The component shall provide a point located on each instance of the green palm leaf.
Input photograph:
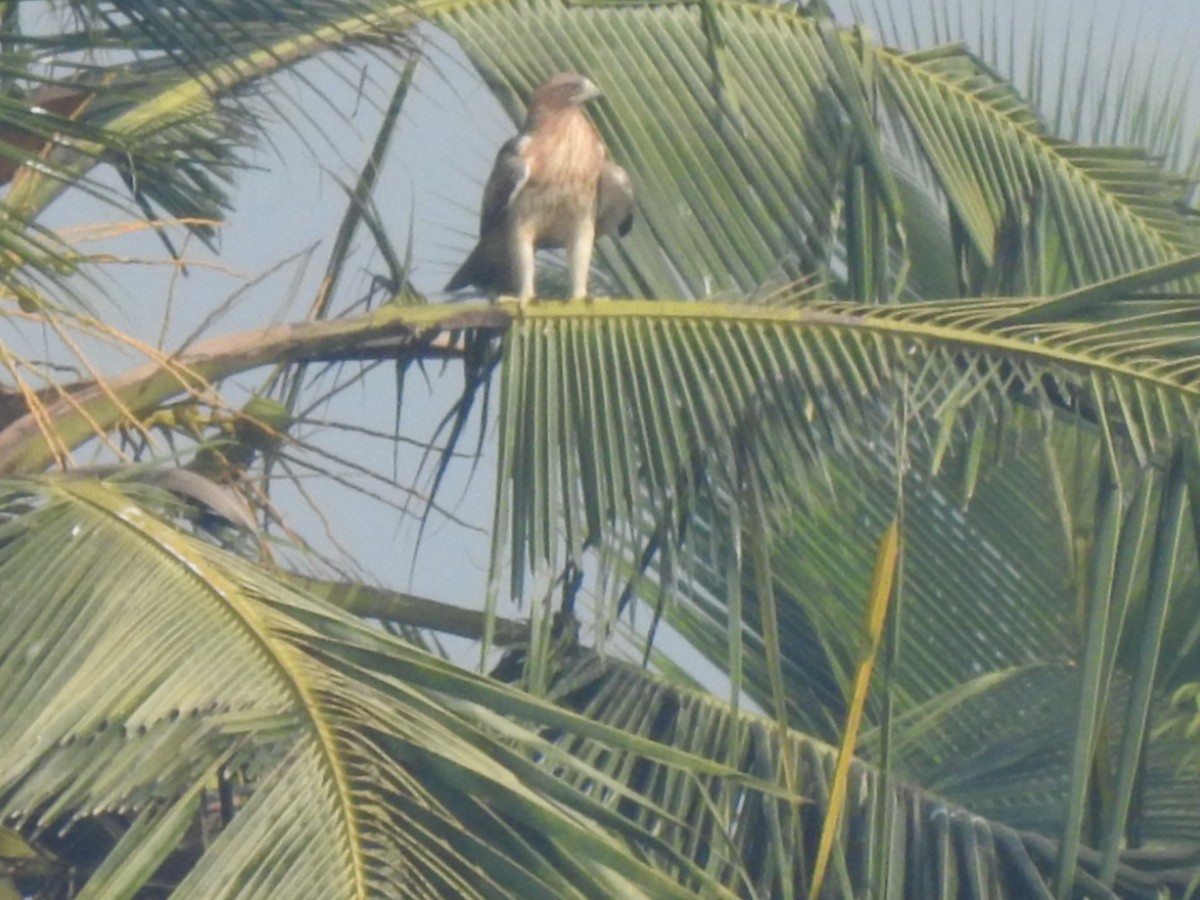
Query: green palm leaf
(636, 394)
(745, 125)
(125, 688)
(652, 409)
(729, 464)
(938, 847)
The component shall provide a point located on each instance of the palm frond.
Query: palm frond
(936, 846)
(361, 771)
(747, 127)
(650, 389)
(650, 412)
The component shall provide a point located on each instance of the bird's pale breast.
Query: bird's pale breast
(565, 158)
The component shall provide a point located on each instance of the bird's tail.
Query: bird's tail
(487, 268)
(467, 273)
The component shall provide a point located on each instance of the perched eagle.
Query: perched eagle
(550, 187)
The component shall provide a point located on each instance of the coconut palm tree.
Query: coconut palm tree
(855, 543)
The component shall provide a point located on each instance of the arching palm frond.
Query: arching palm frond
(701, 477)
(760, 453)
(935, 847)
(629, 396)
(128, 689)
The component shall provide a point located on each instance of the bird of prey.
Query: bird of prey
(551, 187)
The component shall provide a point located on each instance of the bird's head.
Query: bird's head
(562, 91)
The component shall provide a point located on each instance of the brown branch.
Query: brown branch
(383, 334)
(407, 609)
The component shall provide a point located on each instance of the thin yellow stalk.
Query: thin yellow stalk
(881, 592)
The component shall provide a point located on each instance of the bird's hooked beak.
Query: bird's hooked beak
(589, 91)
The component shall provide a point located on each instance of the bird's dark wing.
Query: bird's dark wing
(489, 266)
(614, 201)
(509, 175)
